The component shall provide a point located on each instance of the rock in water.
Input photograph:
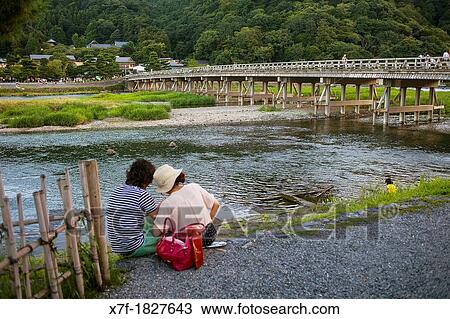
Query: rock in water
(172, 145)
(111, 152)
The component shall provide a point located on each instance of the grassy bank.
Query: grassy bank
(176, 99)
(425, 190)
(55, 90)
(140, 106)
(38, 277)
(377, 197)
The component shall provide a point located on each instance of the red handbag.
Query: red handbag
(174, 251)
(195, 232)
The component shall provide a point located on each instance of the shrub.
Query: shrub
(63, 119)
(26, 121)
(146, 113)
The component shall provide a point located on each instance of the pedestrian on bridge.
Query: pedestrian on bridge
(445, 58)
(344, 60)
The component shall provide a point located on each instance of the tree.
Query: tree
(79, 41)
(14, 14)
(153, 62)
(32, 45)
(89, 68)
(100, 30)
(106, 65)
(192, 63)
(56, 69)
(57, 34)
(145, 49)
(30, 69)
(17, 72)
(208, 42)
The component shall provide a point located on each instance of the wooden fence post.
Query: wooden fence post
(71, 231)
(51, 273)
(23, 242)
(93, 203)
(12, 249)
(49, 227)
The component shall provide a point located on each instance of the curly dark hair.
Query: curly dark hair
(140, 173)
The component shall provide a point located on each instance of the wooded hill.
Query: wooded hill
(242, 31)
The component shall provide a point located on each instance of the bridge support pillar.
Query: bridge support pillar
(313, 94)
(252, 91)
(371, 95)
(266, 91)
(299, 93)
(343, 97)
(402, 103)
(417, 103)
(431, 102)
(387, 104)
(285, 92)
(241, 91)
(227, 91)
(358, 97)
(327, 99)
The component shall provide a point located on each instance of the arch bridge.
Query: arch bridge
(321, 85)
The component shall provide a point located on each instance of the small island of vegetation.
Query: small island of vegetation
(139, 106)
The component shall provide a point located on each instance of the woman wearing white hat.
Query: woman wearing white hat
(185, 205)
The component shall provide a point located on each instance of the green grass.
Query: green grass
(269, 108)
(376, 197)
(176, 99)
(139, 106)
(141, 112)
(38, 278)
(55, 90)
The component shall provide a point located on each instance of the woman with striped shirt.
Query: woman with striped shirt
(130, 213)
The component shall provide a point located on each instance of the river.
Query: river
(238, 163)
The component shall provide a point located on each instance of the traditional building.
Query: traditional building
(52, 42)
(95, 45)
(126, 64)
(39, 57)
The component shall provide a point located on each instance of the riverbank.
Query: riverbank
(406, 260)
(57, 88)
(385, 251)
(201, 116)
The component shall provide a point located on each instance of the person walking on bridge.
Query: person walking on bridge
(445, 58)
(344, 60)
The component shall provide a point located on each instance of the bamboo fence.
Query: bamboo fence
(17, 262)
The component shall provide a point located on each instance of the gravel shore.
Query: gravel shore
(183, 117)
(409, 260)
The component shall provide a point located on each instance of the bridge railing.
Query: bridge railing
(426, 64)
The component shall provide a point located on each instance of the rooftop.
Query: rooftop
(124, 59)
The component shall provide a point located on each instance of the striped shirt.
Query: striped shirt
(127, 208)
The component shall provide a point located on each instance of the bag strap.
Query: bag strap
(171, 225)
(193, 224)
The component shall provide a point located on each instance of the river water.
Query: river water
(238, 163)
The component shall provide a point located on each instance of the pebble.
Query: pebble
(111, 152)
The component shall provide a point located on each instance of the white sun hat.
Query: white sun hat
(165, 177)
